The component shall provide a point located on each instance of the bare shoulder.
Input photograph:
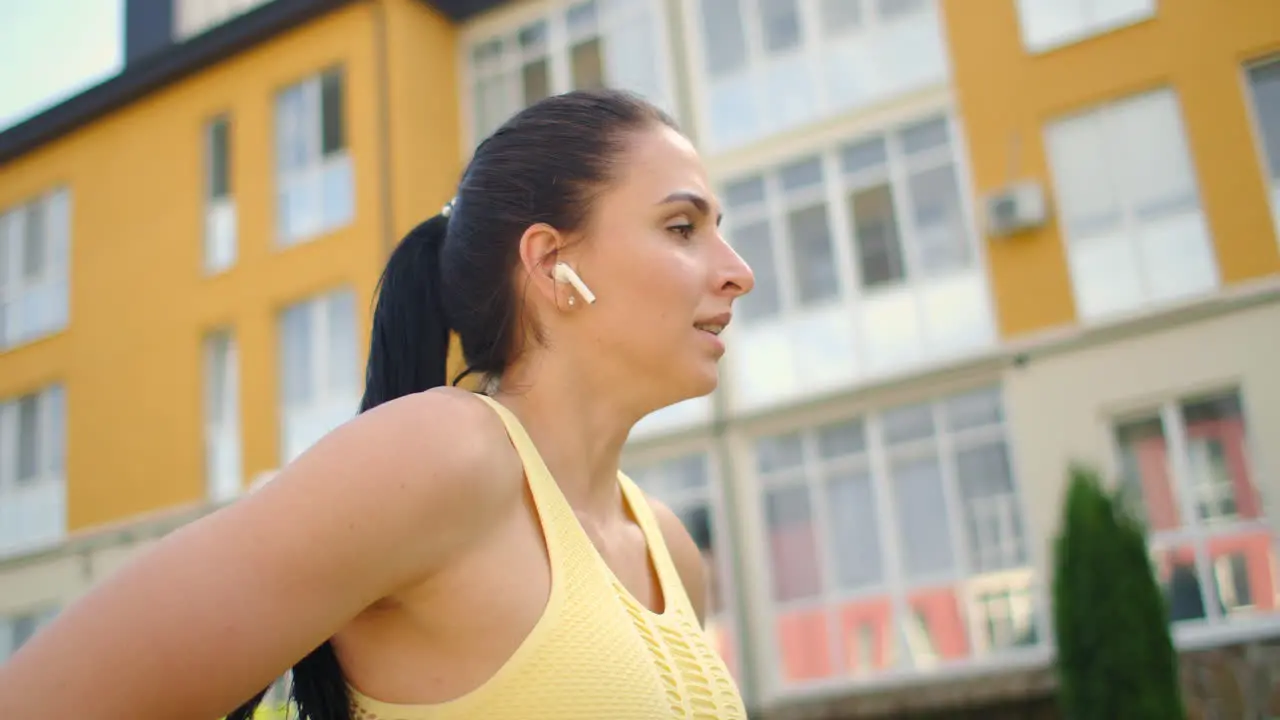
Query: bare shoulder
(685, 555)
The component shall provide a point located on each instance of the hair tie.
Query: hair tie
(447, 210)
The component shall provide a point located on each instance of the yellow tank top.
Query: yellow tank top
(596, 653)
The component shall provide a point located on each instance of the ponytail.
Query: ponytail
(408, 353)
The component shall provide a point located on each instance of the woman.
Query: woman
(446, 554)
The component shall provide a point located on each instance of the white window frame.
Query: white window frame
(504, 25)
(222, 433)
(711, 497)
(33, 308)
(195, 17)
(964, 581)
(42, 495)
(220, 216)
(309, 179)
(1193, 532)
(813, 43)
(1090, 24)
(328, 401)
(1129, 225)
(1272, 184)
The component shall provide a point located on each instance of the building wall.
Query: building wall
(140, 303)
(1007, 94)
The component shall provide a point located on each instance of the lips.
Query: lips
(714, 325)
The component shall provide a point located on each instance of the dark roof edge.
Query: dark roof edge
(156, 71)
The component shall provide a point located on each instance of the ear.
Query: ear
(539, 248)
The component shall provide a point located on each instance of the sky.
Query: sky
(52, 49)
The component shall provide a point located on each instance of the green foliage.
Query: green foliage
(1115, 654)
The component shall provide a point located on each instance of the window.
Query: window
(220, 206)
(193, 17)
(577, 46)
(775, 65)
(34, 269)
(314, 173)
(685, 484)
(1264, 82)
(1048, 24)
(319, 376)
(864, 263)
(876, 526)
(16, 630)
(1186, 469)
(1129, 206)
(223, 473)
(32, 469)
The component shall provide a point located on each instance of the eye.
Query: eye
(684, 230)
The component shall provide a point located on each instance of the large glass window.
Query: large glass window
(1129, 206)
(1047, 24)
(1264, 85)
(315, 183)
(35, 263)
(1186, 468)
(319, 375)
(773, 65)
(577, 45)
(33, 483)
(896, 539)
(864, 263)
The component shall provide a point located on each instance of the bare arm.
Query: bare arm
(686, 556)
(218, 609)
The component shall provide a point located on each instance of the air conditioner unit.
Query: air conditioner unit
(1015, 208)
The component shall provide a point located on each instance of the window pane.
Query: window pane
(841, 440)
(891, 9)
(1087, 193)
(24, 627)
(55, 400)
(218, 349)
(792, 544)
(978, 408)
(907, 424)
(990, 508)
(343, 371)
(29, 440)
(780, 22)
(1154, 168)
(536, 81)
(219, 159)
(1145, 475)
(876, 236)
(588, 65)
(922, 517)
(754, 243)
(779, 453)
(296, 341)
(332, 129)
(1221, 479)
(806, 173)
(687, 473)
(812, 256)
(925, 136)
(724, 39)
(33, 240)
(291, 130)
(1176, 569)
(855, 536)
(864, 156)
(744, 192)
(839, 16)
(940, 228)
(1265, 80)
(583, 18)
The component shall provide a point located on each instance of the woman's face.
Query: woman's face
(664, 277)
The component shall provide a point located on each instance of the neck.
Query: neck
(579, 424)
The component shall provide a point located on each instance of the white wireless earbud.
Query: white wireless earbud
(566, 274)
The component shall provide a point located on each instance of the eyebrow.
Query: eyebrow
(693, 199)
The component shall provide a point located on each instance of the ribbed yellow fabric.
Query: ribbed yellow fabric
(596, 653)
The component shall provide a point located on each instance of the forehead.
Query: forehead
(658, 162)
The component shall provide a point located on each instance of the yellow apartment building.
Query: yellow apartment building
(990, 237)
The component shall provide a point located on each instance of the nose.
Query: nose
(734, 277)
